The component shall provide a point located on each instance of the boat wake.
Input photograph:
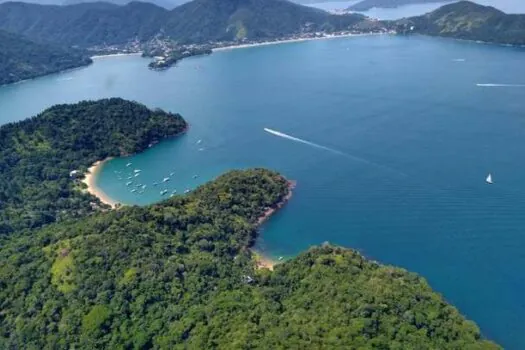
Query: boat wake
(502, 85)
(332, 150)
(65, 79)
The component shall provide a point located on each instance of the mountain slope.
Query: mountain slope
(22, 59)
(92, 24)
(83, 25)
(366, 5)
(202, 20)
(468, 20)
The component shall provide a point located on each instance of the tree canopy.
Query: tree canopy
(179, 275)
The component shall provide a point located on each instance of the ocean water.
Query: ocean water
(407, 138)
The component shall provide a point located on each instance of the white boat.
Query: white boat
(174, 191)
(137, 171)
(199, 142)
(166, 179)
(187, 191)
(137, 174)
(162, 193)
(281, 258)
(155, 184)
(128, 165)
(129, 183)
(489, 179)
(144, 187)
(171, 174)
(134, 190)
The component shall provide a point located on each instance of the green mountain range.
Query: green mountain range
(23, 59)
(179, 274)
(199, 21)
(470, 21)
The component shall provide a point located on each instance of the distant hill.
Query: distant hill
(470, 21)
(366, 5)
(91, 24)
(22, 59)
(202, 20)
(167, 4)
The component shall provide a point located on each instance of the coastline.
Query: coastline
(263, 261)
(97, 57)
(287, 41)
(90, 180)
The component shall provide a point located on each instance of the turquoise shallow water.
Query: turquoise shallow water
(415, 137)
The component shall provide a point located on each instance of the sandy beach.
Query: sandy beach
(262, 261)
(97, 57)
(287, 41)
(90, 181)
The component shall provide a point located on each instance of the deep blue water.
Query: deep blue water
(418, 138)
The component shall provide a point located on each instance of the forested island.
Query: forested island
(180, 274)
(37, 156)
(22, 59)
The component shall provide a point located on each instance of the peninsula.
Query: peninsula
(42, 159)
(180, 273)
(468, 21)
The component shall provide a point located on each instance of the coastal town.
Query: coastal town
(165, 52)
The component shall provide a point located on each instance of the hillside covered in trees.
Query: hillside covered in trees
(199, 21)
(22, 59)
(470, 21)
(38, 154)
(179, 275)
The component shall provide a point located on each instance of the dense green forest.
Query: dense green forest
(38, 154)
(178, 275)
(470, 21)
(198, 21)
(22, 59)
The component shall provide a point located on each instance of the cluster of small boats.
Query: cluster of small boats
(140, 188)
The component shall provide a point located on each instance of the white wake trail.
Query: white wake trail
(501, 85)
(312, 144)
